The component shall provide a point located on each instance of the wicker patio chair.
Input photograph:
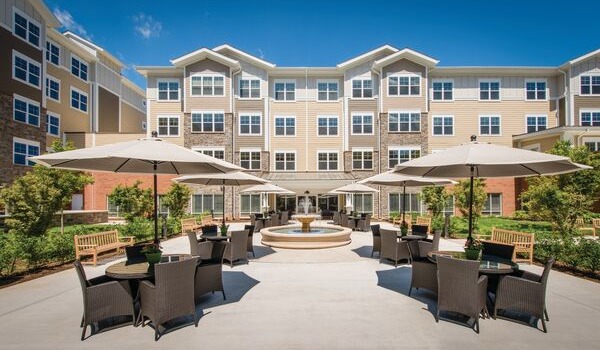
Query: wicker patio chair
(500, 250)
(420, 230)
(275, 219)
(375, 230)
(364, 224)
(525, 293)
(134, 253)
(393, 250)
(424, 247)
(424, 275)
(285, 218)
(336, 218)
(209, 272)
(236, 247)
(199, 249)
(103, 298)
(461, 289)
(344, 220)
(250, 245)
(171, 295)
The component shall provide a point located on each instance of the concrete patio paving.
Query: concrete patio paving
(301, 299)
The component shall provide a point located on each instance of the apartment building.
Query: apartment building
(58, 86)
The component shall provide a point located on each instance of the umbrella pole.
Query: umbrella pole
(223, 202)
(155, 165)
(470, 237)
(403, 201)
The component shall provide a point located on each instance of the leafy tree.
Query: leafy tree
(177, 199)
(461, 198)
(435, 197)
(134, 201)
(562, 199)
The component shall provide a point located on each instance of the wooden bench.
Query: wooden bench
(189, 225)
(580, 225)
(397, 221)
(523, 242)
(424, 220)
(95, 243)
(596, 226)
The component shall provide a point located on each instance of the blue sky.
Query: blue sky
(324, 33)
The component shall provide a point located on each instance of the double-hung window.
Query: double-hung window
(79, 100)
(489, 125)
(250, 203)
(250, 159)
(362, 159)
(590, 118)
(207, 121)
(536, 123)
(363, 202)
(590, 84)
(535, 90)
(53, 88)
(249, 88)
(404, 85)
(52, 52)
(26, 28)
(489, 90)
(592, 143)
(362, 124)
(443, 125)
(24, 148)
(208, 85)
(26, 70)
(285, 126)
(327, 160)
(493, 204)
(327, 91)
(52, 124)
(26, 111)
(404, 121)
(207, 202)
(285, 90)
(250, 124)
(397, 201)
(443, 90)
(285, 161)
(168, 90)
(327, 126)
(218, 153)
(168, 126)
(79, 68)
(399, 155)
(362, 88)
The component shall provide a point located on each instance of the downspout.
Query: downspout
(565, 95)
(379, 109)
(233, 135)
(578, 138)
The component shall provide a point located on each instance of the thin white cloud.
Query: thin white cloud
(68, 22)
(146, 26)
(261, 54)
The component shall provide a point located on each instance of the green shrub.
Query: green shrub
(590, 252)
(141, 229)
(9, 253)
(173, 226)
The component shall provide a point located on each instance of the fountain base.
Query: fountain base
(294, 238)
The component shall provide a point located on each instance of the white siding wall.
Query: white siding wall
(6, 14)
(589, 66)
(133, 97)
(108, 78)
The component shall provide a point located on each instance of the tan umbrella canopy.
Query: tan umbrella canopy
(267, 188)
(143, 156)
(479, 159)
(390, 178)
(353, 188)
(237, 178)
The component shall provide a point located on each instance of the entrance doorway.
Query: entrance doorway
(328, 203)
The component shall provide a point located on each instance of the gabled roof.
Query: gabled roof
(51, 20)
(91, 47)
(408, 54)
(145, 70)
(366, 56)
(201, 54)
(580, 58)
(259, 62)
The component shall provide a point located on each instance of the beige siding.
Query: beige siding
(221, 103)
(101, 139)
(403, 102)
(296, 142)
(544, 144)
(466, 120)
(585, 103)
(249, 106)
(71, 119)
(152, 87)
(131, 119)
(362, 105)
(166, 108)
(590, 66)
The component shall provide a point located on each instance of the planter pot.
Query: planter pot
(153, 258)
(472, 254)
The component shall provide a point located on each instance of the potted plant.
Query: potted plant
(472, 249)
(153, 253)
(223, 229)
(404, 228)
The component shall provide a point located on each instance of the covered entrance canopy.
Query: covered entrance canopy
(313, 181)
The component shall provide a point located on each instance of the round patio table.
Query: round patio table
(410, 237)
(487, 264)
(125, 270)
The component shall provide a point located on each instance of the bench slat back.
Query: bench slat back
(99, 239)
(519, 239)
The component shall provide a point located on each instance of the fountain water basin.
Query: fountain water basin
(293, 237)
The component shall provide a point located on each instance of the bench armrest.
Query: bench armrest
(131, 238)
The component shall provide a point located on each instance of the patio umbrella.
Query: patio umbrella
(390, 178)
(237, 178)
(267, 188)
(353, 188)
(148, 155)
(479, 159)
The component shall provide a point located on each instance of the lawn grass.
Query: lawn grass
(459, 226)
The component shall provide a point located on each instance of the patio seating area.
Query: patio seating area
(287, 298)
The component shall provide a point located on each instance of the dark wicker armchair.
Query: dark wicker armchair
(364, 223)
(103, 298)
(424, 275)
(134, 253)
(209, 272)
(336, 218)
(375, 230)
(285, 218)
(250, 245)
(393, 250)
(199, 249)
(425, 247)
(344, 220)
(171, 295)
(461, 289)
(525, 293)
(236, 247)
(500, 250)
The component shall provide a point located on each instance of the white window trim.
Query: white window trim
(169, 116)
(168, 80)
(490, 80)
(202, 112)
(286, 151)
(213, 75)
(373, 96)
(47, 86)
(489, 116)
(409, 75)
(201, 149)
(249, 114)
(239, 95)
(443, 81)
(29, 102)
(29, 19)
(409, 111)
(581, 111)
(443, 116)
(81, 93)
(588, 74)
(403, 148)
(328, 117)
(410, 194)
(535, 80)
(60, 52)
(327, 81)
(363, 149)
(336, 151)
(285, 117)
(250, 150)
(501, 203)
(29, 61)
(81, 61)
(541, 115)
(363, 195)
(362, 114)
(285, 81)
(27, 142)
(56, 115)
